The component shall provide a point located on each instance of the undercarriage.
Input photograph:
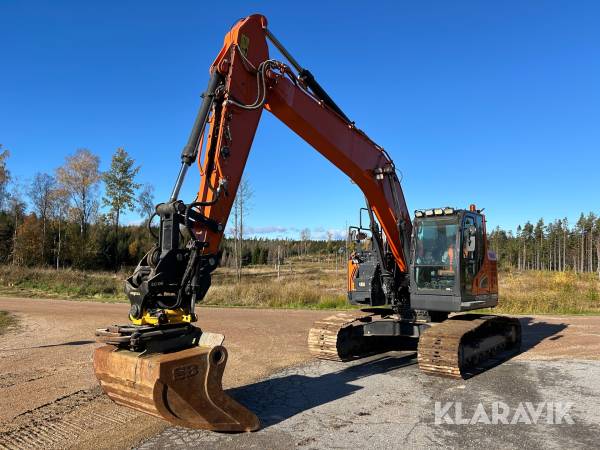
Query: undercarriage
(459, 347)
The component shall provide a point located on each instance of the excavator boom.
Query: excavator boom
(251, 82)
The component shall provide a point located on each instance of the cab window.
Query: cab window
(472, 249)
(435, 254)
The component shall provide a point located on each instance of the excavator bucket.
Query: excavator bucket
(182, 387)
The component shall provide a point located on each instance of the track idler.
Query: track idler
(182, 387)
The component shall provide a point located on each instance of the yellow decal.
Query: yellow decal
(244, 43)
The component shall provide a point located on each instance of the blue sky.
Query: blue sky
(494, 103)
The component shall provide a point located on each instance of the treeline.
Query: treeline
(555, 246)
(61, 219)
(277, 251)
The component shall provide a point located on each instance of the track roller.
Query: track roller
(468, 344)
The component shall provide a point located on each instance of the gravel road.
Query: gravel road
(385, 402)
(49, 397)
(550, 391)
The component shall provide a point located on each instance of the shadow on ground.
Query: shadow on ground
(74, 343)
(277, 399)
(532, 333)
(535, 332)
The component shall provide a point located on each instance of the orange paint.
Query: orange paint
(344, 145)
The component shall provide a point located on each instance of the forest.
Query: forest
(553, 246)
(60, 220)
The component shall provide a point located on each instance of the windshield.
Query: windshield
(435, 253)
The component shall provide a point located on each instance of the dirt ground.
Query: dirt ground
(49, 396)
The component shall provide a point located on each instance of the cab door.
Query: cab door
(471, 252)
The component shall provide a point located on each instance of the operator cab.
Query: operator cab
(451, 268)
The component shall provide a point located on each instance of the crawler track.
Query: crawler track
(338, 337)
(459, 347)
(468, 344)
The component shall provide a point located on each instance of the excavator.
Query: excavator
(409, 278)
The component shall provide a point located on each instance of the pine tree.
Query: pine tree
(120, 189)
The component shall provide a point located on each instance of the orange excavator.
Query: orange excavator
(406, 276)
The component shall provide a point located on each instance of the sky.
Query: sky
(492, 103)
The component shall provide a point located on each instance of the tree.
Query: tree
(4, 176)
(240, 210)
(120, 189)
(79, 178)
(590, 227)
(581, 231)
(565, 224)
(520, 263)
(28, 243)
(146, 205)
(330, 245)
(305, 237)
(41, 194)
(16, 207)
(60, 210)
(597, 227)
(539, 240)
(527, 236)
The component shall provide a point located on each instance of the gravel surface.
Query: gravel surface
(385, 402)
(49, 397)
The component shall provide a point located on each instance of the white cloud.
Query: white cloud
(322, 234)
(270, 229)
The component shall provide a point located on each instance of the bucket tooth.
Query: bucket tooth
(183, 387)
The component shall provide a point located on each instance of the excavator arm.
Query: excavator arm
(155, 359)
(163, 365)
(243, 82)
(246, 90)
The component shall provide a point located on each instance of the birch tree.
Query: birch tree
(145, 202)
(79, 177)
(241, 206)
(41, 194)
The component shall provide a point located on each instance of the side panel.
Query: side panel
(364, 287)
(436, 302)
(351, 274)
(481, 288)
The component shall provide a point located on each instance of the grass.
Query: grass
(68, 284)
(540, 292)
(6, 321)
(301, 284)
(306, 284)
